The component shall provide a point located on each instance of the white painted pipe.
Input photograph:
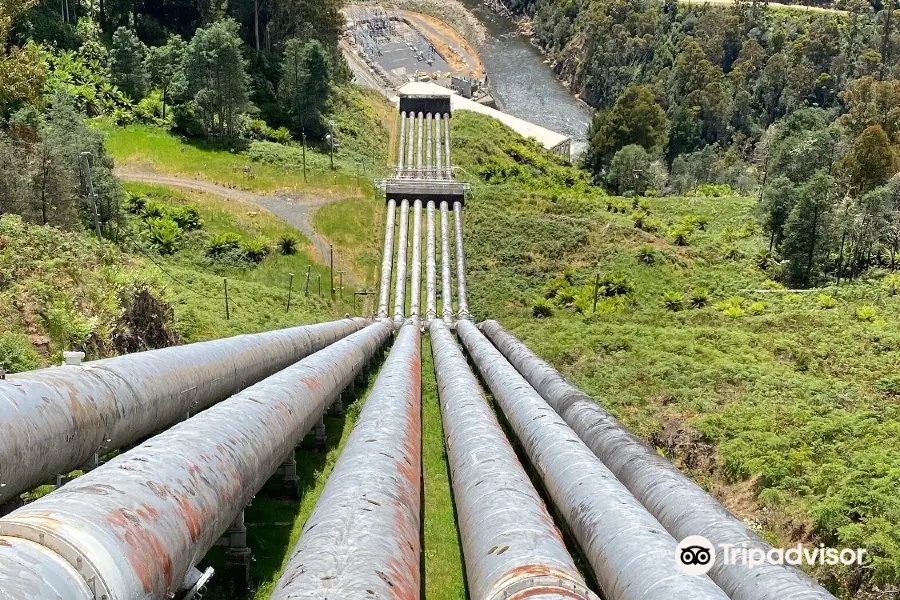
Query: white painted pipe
(402, 247)
(446, 277)
(415, 284)
(387, 260)
(461, 292)
(431, 270)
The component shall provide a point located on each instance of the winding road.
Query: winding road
(295, 209)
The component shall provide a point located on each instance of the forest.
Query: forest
(800, 108)
(228, 73)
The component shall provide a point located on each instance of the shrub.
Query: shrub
(865, 313)
(187, 217)
(699, 297)
(616, 284)
(164, 234)
(730, 252)
(701, 222)
(732, 307)
(646, 254)
(287, 245)
(891, 282)
(733, 312)
(638, 217)
(151, 209)
(565, 297)
(826, 301)
(256, 250)
(541, 308)
(652, 225)
(757, 308)
(680, 235)
(16, 353)
(222, 244)
(674, 301)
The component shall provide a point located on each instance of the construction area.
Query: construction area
(401, 46)
(554, 498)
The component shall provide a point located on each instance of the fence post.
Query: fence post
(306, 293)
(227, 308)
(596, 289)
(290, 290)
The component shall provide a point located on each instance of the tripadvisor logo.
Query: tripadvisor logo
(696, 555)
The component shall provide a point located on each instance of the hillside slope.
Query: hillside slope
(782, 404)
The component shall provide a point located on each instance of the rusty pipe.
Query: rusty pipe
(446, 277)
(462, 292)
(415, 283)
(430, 268)
(630, 553)
(402, 250)
(682, 506)
(134, 527)
(362, 539)
(55, 420)
(510, 542)
(387, 260)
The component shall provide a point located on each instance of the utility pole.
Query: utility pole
(93, 195)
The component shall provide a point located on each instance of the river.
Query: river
(522, 84)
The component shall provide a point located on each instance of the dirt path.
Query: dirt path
(293, 208)
(796, 7)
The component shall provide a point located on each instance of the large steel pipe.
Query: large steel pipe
(415, 283)
(134, 527)
(429, 160)
(430, 265)
(447, 160)
(630, 553)
(420, 146)
(32, 571)
(438, 148)
(446, 277)
(387, 260)
(682, 506)
(462, 292)
(55, 420)
(400, 157)
(511, 546)
(411, 142)
(402, 249)
(362, 540)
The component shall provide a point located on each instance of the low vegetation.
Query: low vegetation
(781, 403)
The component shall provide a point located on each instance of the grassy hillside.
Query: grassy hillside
(782, 404)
